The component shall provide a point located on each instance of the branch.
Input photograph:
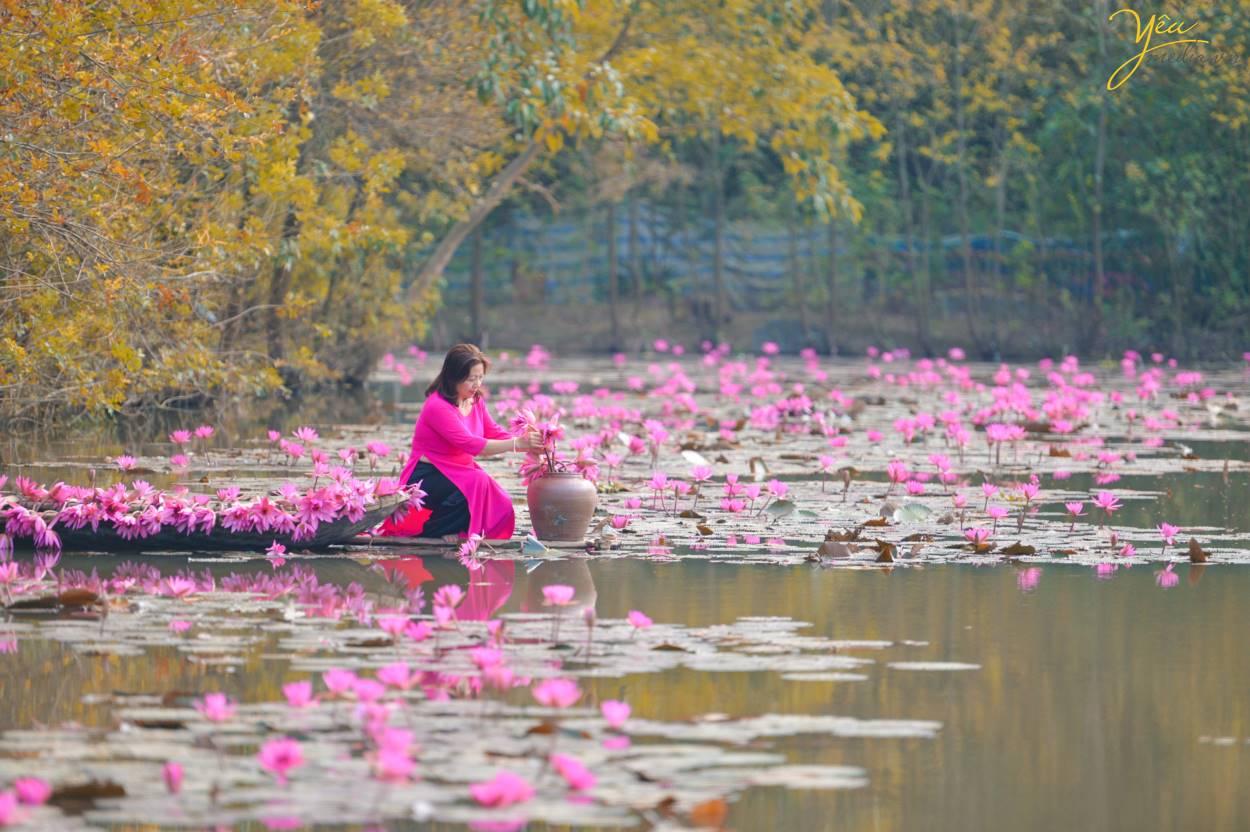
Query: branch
(499, 188)
(543, 191)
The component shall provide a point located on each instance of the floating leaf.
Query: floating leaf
(834, 549)
(780, 508)
(533, 546)
(914, 512)
(1018, 549)
(695, 458)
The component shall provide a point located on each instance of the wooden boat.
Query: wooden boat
(336, 533)
(378, 542)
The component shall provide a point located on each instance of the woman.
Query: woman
(453, 428)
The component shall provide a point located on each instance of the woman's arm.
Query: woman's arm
(499, 446)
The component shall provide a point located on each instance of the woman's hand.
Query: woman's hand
(531, 441)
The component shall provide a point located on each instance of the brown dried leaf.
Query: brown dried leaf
(1017, 549)
(886, 550)
(544, 728)
(76, 798)
(877, 521)
(842, 536)
(77, 597)
(1196, 554)
(1062, 452)
(704, 528)
(711, 813)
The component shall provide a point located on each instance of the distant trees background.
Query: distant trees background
(204, 198)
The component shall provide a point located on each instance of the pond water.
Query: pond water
(1065, 687)
(1093, 704)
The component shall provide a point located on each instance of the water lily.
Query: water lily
(216, 707)
(504, 790)
(557, 693)
(615, 713)
(280, 756)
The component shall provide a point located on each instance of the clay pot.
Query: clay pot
(561, 505)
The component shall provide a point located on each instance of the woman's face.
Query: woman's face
(468, 388)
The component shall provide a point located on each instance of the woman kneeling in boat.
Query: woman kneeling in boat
(454, 427)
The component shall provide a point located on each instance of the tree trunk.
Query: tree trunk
(926, 259)
(234, 306)
(635, 255)
(920, 303)
(796, 270)
(336, 274)
(718, 251)
(1091, 331)
(831, 282)
(280, 284)
(613, 286)
(972, 300)
(1000, 209)
(475, 288)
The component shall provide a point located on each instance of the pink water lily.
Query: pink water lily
(280, 756)
(977, 536)
(504, 790)
(1168, 532)
(338, 681)
(1108, 502)
(639, 620)
(32, 791)
(615, 713)
(216, 707)
(9, 813)
(397, 675)
(172, 773)
(557, 693)
(299, 694)
(574, 772)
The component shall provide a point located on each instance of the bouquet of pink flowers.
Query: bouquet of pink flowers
(539, 463)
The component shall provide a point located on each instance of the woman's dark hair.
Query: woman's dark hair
(457, 365)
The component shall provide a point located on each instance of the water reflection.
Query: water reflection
(1097, 704)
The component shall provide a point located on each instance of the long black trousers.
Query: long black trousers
(450, 508)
